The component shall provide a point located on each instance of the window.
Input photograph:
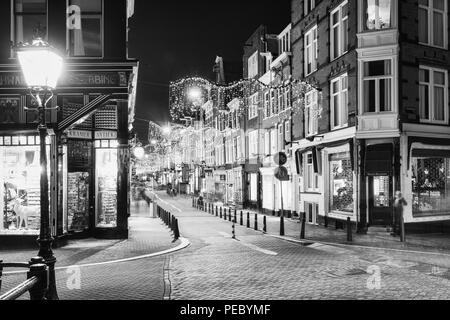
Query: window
(267, 143)
(30, 19)
(266, 105)
(253, 106)
(253, 65)
(253, 187)
(281, 142)
(311, 51)
(284, 42)
(273, 102)
(287, 97)
(433, 95)
(311, 178)
(253, 143)
(430, 181)
(287, 131)
(377, 90)
(341, 183)
(312, 213)
(339, 102)
(309, 5)
(273, 141)
(85, 28)
(281, 101)
(378, 14)
(339, 30)
(433, 23)
(311, 117)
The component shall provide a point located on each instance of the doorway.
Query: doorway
(380, 200)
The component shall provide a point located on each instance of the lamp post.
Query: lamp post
(42, 67)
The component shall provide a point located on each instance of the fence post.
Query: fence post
(265, 224)
(39, 270)
(242, 219)
(303, 225)
(349, 230)
(256, 221)
(281, 225)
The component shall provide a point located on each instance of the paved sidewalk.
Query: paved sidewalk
(414, 242)
(146, 236)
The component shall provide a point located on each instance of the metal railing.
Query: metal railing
(37, 280)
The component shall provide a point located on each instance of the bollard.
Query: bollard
(242, 219)
(264, 224)
(402, 229)
(325, 221)
(282, 226)
(303, 225)
(193, 202)
(176, 230)
(217, 212)
(256, 221)
(248, 220)
(224, 213)
(234, 231)
(39, 270)
(220, 215)
(235, 216)
(349, 230)
(229, 214)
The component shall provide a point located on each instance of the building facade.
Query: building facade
(89, 117)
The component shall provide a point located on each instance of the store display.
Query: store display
(106, 188)
(341, 177)
(78, 201)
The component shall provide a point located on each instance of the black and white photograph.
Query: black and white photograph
(218, 157)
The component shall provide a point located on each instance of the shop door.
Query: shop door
(380, 204)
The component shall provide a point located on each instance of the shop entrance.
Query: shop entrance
(380, 204)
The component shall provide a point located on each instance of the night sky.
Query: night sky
(175, 39)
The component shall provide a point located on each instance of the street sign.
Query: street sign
(280, 158)
(281, 173)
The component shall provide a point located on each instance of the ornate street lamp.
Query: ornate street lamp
(42, 67)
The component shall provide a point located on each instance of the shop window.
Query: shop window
(431, 184)
(377, 90)
(311, 51)
(9, 110)
(30, 19)
(85, 28)
(377, 14)
(339, 30)
(433, 19)
(106, 185)
(341, 183)
(433, 95)
(20, 185)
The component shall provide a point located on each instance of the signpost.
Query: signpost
(281, 173)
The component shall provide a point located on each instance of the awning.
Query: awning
(429, 141)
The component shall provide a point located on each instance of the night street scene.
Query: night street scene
(224, 155)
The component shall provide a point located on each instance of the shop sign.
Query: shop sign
(102, 79)
(79, 134)
(105, 135)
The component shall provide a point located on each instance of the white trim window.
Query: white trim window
(311, 118)
(28, 15)
(378, 14)
(253, 143)
(433, 95)
(339, 102)
(433, 20)
(339, 30)
(273, 141)
(281, 101)
(287, 131)
(267, 142)
(311, 178)
(266, 104)
(281, 141)
(287, 97)
(253, 106)
(253, 65)
(378, 80)
(311, 51)
(309, 5)
(85, 28)
(273, 102)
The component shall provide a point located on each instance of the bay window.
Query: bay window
(433, 95)
(377, 86)
(377, 14)
(85, 28)
(29, 16)
(311, 51)
(311, 107)
(339, 30)
(433, 23)
(339, 102)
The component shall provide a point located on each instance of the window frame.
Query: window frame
(341, 31)
(311, 128)
(311, 178)
(253, 65)
(309, 49)
(393, 18)
(102, 36)
(431, 96)
(253, 106)
(308, 6)
(343, 107)
(431, 10)
(377, 79)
